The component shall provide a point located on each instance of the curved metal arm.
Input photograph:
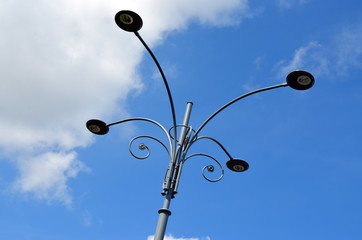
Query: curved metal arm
(235, 100)
(210, 168)
(143, 146)
(212, 139)
(181, 125)
(146, 120)
(166, 84)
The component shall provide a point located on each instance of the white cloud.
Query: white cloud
(170, 237)
(332, 59)
(301, 58)
(64, 62)
(348, 48)
(46, 175)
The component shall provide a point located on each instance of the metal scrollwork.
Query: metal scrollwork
(143, 146)
(189, 130)
(146, 120)
(209, 168)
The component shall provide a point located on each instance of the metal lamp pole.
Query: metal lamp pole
(178, 147)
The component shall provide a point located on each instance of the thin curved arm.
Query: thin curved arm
(146, 120)
(165, 81)
(212, 139)
(235, 100)
(208, 167)
(145, 146)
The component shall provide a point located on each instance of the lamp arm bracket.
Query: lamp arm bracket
(165, 82)
(143, 146)
(235, 100)
(209, 138)
(209, 168)
(147, 120)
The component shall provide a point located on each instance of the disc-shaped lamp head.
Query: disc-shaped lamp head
(300, 80)
(237, 165)
(128, 21)
(97, 127)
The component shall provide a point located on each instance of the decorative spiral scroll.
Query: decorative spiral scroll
(143, 146)
(146, 120)
(209, 168)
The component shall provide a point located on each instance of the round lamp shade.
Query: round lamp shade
(300, 80)
(97, 127)
(237, 165)
(128, 21)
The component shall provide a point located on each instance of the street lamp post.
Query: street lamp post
(178, 147)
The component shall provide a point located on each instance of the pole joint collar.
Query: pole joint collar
(165, 211)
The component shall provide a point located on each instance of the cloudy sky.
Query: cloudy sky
(65, 62)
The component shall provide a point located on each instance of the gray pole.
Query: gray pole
(165, 212)
(163, 217)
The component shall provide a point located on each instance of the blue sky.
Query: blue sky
(64, 62)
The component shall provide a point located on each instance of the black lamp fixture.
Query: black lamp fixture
(237, 165)
(97, 127)
(300, 80)
(128, 21)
